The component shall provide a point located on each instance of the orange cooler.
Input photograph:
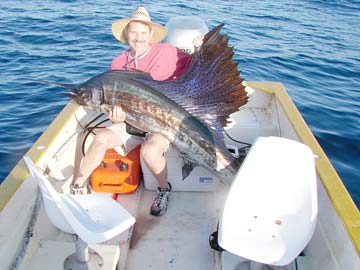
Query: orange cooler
(117, 174)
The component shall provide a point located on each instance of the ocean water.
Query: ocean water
(311, 46)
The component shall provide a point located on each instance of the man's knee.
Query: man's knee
(149, 152)
(153, 148)
(104, 139)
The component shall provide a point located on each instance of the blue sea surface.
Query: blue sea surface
(311, 46)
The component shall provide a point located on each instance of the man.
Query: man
(162, 62)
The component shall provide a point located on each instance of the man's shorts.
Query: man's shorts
(129, 141)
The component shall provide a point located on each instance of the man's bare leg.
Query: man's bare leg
(104, 140)
(152, 152)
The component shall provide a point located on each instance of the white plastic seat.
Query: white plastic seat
(271, 209)
(95, 218)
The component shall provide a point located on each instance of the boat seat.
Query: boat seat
(93, 218)
(271, 209)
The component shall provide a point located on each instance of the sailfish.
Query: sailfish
(190, 111)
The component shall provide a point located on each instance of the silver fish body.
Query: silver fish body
(149, 110)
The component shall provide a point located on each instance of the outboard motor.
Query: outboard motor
(183, 29)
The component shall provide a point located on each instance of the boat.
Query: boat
(180, 239)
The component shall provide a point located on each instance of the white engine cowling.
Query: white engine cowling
(183, 29)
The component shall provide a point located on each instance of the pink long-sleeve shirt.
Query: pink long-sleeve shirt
(162, 61)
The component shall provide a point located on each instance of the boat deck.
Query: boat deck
(179, 238)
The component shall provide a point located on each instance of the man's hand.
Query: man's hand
(198, 41)
(117, 115)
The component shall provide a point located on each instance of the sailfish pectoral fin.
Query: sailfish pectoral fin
(75, 97)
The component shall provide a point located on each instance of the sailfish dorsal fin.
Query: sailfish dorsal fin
(211, 88)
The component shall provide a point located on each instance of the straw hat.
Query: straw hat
(139, 14)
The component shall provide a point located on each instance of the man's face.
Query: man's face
(138, 35)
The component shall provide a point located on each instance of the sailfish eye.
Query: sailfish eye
(84, 93)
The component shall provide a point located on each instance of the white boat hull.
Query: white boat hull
(179, 239)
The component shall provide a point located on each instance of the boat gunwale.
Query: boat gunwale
(335, 188)
(337, 192)
(19, 173)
